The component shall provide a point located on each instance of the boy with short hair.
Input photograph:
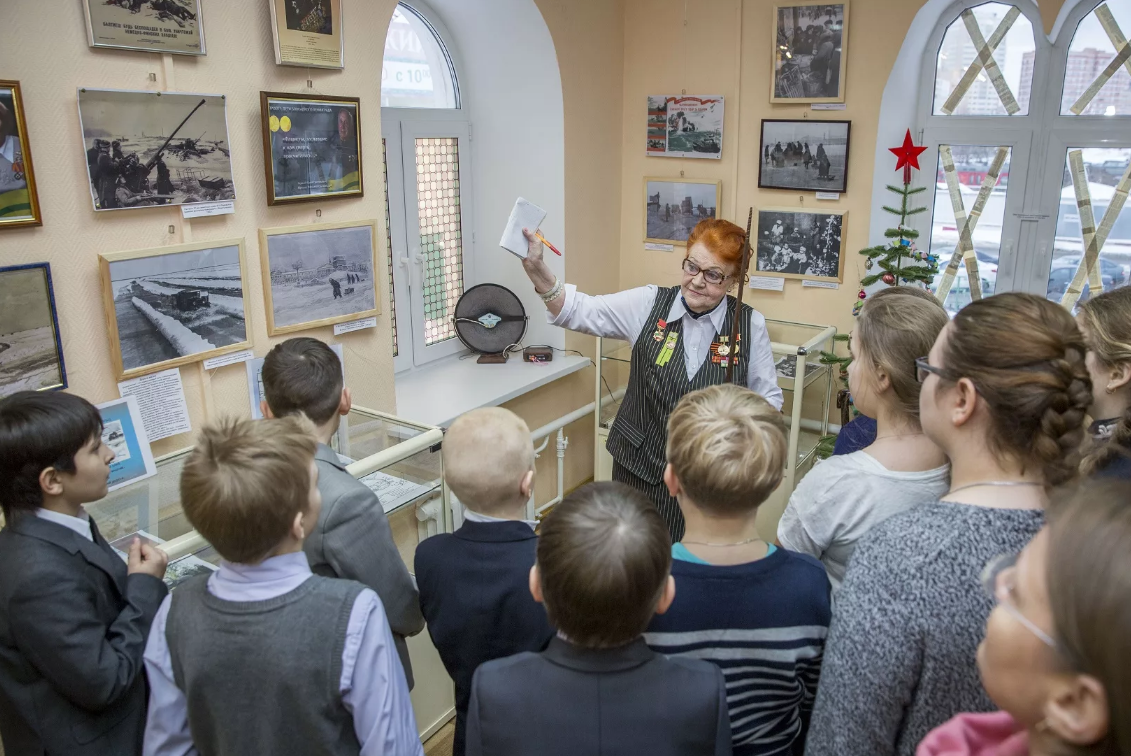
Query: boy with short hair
(761, 613)
(73, 616)
(603, 570)
(352, 538)
(474, 582)
(263, 656)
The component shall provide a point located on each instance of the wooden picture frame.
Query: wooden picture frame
(182, 283)
(19, 204)
(29, 328)
(297, 170)
(790, 170)
(108, 25)
(291, 260)
(792, 78)
(671, 224)
(798, 249)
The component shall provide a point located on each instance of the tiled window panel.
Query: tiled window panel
(441, 237)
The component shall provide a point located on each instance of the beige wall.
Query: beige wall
(50, 57)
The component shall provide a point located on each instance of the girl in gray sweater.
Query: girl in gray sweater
(1004, 394)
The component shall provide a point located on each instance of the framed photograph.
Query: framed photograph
(800, 244)
(809, 47)
(311, 147)
(688, 126)
(672, 207)
(174, 305)
(19, 202)
(147, 149)
(124, 432)
(308, 33)
(319, 275)
(31, 351)
(808, 155)
(161, 26)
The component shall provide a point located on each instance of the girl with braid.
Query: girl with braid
(1004, 394)
(1105, 321)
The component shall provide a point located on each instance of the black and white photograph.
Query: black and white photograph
(115, 438)
(810, 49)
(311, 147)
(807, 155)
(31, 352)
(687, 126)
(318, 275)
(146, 149)
(799, 244)
(174, 305)
(674, 206)
(161, 26)
(786, 366)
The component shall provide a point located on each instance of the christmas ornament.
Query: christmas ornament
(868, 265)
(888, 278)
(862, 295)
(907, 156)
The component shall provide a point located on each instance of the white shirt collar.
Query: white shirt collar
(716, 316)
(474, 516)
(258, 582)
(80, 524)
(8, 151)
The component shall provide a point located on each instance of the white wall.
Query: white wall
(512, 93)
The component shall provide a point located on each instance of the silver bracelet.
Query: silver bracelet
(554, 291)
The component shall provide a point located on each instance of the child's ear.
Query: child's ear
(536, 584)
(346, 403)
(965, 402)
(265, 410)
(667, 596)
(1120, 376)
(298, 530)
(671, 481)
(50, 481)
(1077, 711)
(526, 486)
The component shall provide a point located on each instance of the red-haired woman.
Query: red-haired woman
(680, 337)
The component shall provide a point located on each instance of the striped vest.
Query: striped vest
(639, 434)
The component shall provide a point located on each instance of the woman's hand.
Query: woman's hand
(540, 274)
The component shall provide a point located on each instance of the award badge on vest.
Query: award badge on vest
(667, 350)
(720, 350)
(661, 324)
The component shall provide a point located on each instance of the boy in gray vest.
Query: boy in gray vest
(263, 656)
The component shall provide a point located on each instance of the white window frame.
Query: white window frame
(400, 127)
(1033, 202)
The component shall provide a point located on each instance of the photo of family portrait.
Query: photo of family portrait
(810, 45)
(807, 155)
(798, 244)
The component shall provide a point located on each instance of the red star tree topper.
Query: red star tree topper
(907, 155)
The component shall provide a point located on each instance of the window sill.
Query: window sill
(442, 391)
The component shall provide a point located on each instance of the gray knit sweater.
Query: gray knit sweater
(900, 658)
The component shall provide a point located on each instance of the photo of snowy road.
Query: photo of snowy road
(29, 360)
(176, 305)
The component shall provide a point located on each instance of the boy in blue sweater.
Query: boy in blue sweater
(759, 612)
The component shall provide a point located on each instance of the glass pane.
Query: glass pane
(1013, 56)
(1088, 55)
(441, 242)
(416, 71)
(971, 163)
(1104, 167)
(389, 246)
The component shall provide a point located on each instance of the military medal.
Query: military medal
(667, 349)
(660, 326)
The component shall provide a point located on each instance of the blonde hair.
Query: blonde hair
(1107, 332)
(896, 327)
(486, 453)
(727, 446)
(244, 482)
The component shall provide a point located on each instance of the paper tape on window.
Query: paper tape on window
(984, 59)
(1093, 242)
(966, 223)
(1122, 58)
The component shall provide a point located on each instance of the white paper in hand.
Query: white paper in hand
(523, 215)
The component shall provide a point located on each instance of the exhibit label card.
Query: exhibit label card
(767, 283)
(124, 432)
(205, 209)
(354, 325)
(821, 284)
(229, 359)
(161, 398)
(657, 247)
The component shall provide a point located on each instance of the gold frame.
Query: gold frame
(104, 260)
(843, 241)
(668, 180)
(36, 218)
(265, 267)
(774, 56)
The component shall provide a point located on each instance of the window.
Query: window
(994, 90)
(425, 144)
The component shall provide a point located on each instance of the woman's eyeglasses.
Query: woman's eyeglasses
(710, 275)
(999, 580)
(924, 368)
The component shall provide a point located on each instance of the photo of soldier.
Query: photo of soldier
(172, 26)
(314, 146)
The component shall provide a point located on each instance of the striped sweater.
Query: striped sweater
(764, 624)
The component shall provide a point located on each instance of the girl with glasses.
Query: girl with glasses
(680, 337)
(1105, 321)
(1003, 395)
(1057, 644)
(843, 497)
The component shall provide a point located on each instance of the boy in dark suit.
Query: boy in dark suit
(603, 570)
(473, 583)
(73, 617)
(352, 539)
